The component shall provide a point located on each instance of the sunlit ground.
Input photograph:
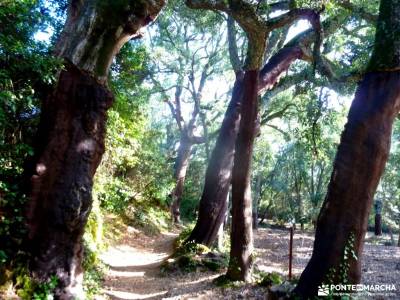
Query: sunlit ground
(135, 267)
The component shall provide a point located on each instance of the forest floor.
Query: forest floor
(135, 260)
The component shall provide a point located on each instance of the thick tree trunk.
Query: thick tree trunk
(73, 129)
(181, 165)
(70, 139)
(358, 166)
(359, 163)
(241, 230)
(213, 204)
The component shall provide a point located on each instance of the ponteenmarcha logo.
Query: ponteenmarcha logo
(365, 289)
(323, 290)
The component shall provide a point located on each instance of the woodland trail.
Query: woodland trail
(134, 267)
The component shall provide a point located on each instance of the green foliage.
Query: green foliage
(32, 290)
(269, 279)
(94, 271)
(225, 282)
(190, 256)
(183, 247)
(290, 180)
(130, 171)
(194, 258)
(26, 72)
(341, 273)
(149, 217)
(293, 156)
(133, 171)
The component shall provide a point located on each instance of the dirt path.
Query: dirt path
(134, 271)
(134, 267)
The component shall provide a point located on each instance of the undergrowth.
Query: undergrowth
(191, 257)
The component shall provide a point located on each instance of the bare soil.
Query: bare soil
(134, 267)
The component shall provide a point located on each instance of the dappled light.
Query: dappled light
(199, 149)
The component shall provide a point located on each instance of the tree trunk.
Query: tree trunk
(378, 217)
(255, 218)
(257, 202)
(220, 239)
(241, 230)
(398, 241)
(70, 139)
(358, 166)
(221, 231)
(264, 216)
(73, 128)
(213, 204)
(181, 165)
(359, 163)
(378, 224)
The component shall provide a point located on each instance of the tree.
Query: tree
(378, 217)
(257, 31)
(213, 206)
(359, 163)
(181, 78)
(70, 140)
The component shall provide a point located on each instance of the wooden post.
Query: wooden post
(290, 252)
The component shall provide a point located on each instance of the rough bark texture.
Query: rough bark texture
(213, 203)
(256, 202)
(359, 162)
(70, 139)
(241, 230)
(358, 166)
(212, 206)
(95, 30)
(71, 143)
(181, 166)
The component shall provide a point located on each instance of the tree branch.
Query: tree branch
(360, 11)
(266, 117)
(232, 46)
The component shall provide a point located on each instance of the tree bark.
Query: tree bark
(72, 132)
(398, 241)
(378, 217)
(257, 201)
(213, 202)
(241, 230)
(181, 166)
(70, 140)
(358, 166)
(359, 162)
(378, 224)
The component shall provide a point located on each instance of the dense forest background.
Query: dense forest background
(172, 84)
